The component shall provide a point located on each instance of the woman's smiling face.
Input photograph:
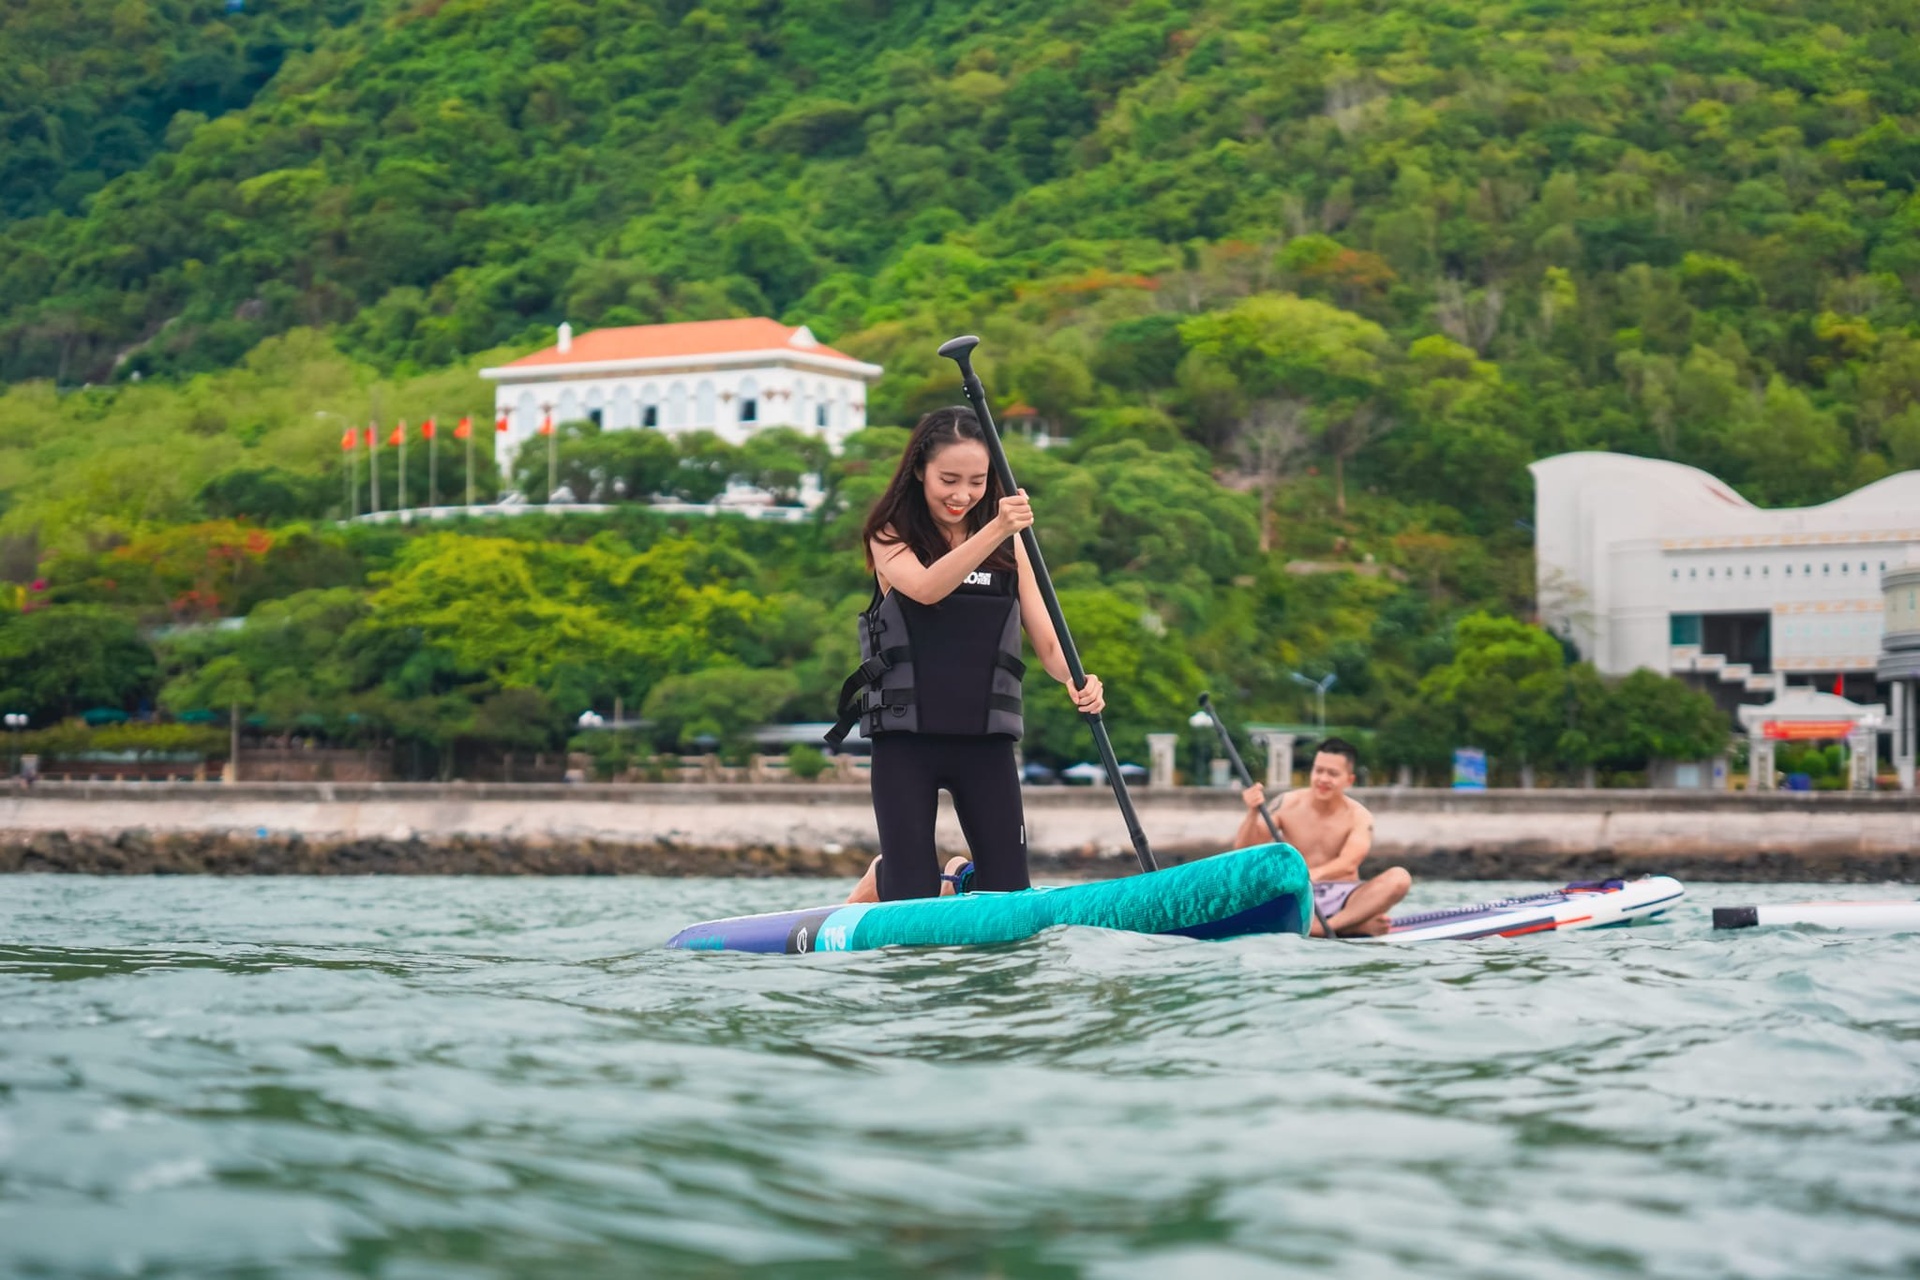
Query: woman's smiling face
(954, 480)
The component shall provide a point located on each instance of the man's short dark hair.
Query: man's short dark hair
(1341, 747)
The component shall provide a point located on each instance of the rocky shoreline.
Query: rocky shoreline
(227, 853)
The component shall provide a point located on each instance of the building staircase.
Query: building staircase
(1688, 658)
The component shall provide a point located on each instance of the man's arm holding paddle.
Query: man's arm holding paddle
(1253, 828)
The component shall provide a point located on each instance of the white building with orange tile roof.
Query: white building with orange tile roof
(1645, 563)
(732, 377)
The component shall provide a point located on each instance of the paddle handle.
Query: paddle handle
(960, 351)
(1246, 780)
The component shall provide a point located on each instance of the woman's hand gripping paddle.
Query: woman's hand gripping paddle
(1246, 780)
(960, 351)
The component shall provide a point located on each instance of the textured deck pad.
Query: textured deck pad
(1259, 890)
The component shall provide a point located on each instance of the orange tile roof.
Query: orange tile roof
(675, 341)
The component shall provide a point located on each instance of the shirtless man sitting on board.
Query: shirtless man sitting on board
(1334, 833)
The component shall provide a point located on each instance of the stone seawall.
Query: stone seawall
(827, 830)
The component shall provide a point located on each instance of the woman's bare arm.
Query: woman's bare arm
(1046, 644)
(900, 570)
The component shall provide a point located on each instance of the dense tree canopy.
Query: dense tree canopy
(1304, 285)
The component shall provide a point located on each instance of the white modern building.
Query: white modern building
(732, 377)
(1643, 563)
(1900, 666)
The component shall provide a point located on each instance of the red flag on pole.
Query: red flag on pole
(463, 429)
(399, 433)
(546, 425)
(370, 437)
(426, 429)
(348, 440)
(1840, 686)
(500, 424)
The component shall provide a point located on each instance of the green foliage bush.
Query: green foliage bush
(806, 763)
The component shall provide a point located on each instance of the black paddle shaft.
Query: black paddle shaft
(1246, 780)
(960, 351)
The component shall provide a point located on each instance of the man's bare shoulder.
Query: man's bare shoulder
(1359, 811)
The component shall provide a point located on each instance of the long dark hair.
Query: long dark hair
(901, 515)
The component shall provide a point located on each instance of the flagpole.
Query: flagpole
(499, 429)
(373, 465)
(401, 431)
(469, 466)
(433, 464)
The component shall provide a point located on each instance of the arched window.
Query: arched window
(749, 402)
(706, 411)
(677, 405)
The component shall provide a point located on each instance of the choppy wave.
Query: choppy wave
(469, 1077)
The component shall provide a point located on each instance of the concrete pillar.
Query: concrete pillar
(1279, 762)
(1861, 750)
(1906, 693)
(1163, 751)
(1759, 762)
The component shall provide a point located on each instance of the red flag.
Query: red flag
(463, 429)
(426, 429)
(371, 439)
(1840, 685)
(399, 433)
(546, 425)
(348, 440)
(500, 425)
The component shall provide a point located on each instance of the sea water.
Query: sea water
(509, 1077)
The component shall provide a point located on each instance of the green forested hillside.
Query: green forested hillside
(1365, 260)
(90, 89)
(1678, 230)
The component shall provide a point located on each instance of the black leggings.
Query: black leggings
(909, 769)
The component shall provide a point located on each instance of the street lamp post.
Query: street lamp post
(1201, 723)
(1319, 688)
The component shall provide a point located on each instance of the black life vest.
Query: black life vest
(952, 667)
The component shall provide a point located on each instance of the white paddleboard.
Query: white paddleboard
(1822, 915)
(1597, 905)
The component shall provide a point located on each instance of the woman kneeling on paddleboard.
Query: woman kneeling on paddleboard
(938, 689)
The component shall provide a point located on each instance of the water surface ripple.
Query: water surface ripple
(459, 1078)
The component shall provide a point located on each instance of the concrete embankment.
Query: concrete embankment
(827, 830)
